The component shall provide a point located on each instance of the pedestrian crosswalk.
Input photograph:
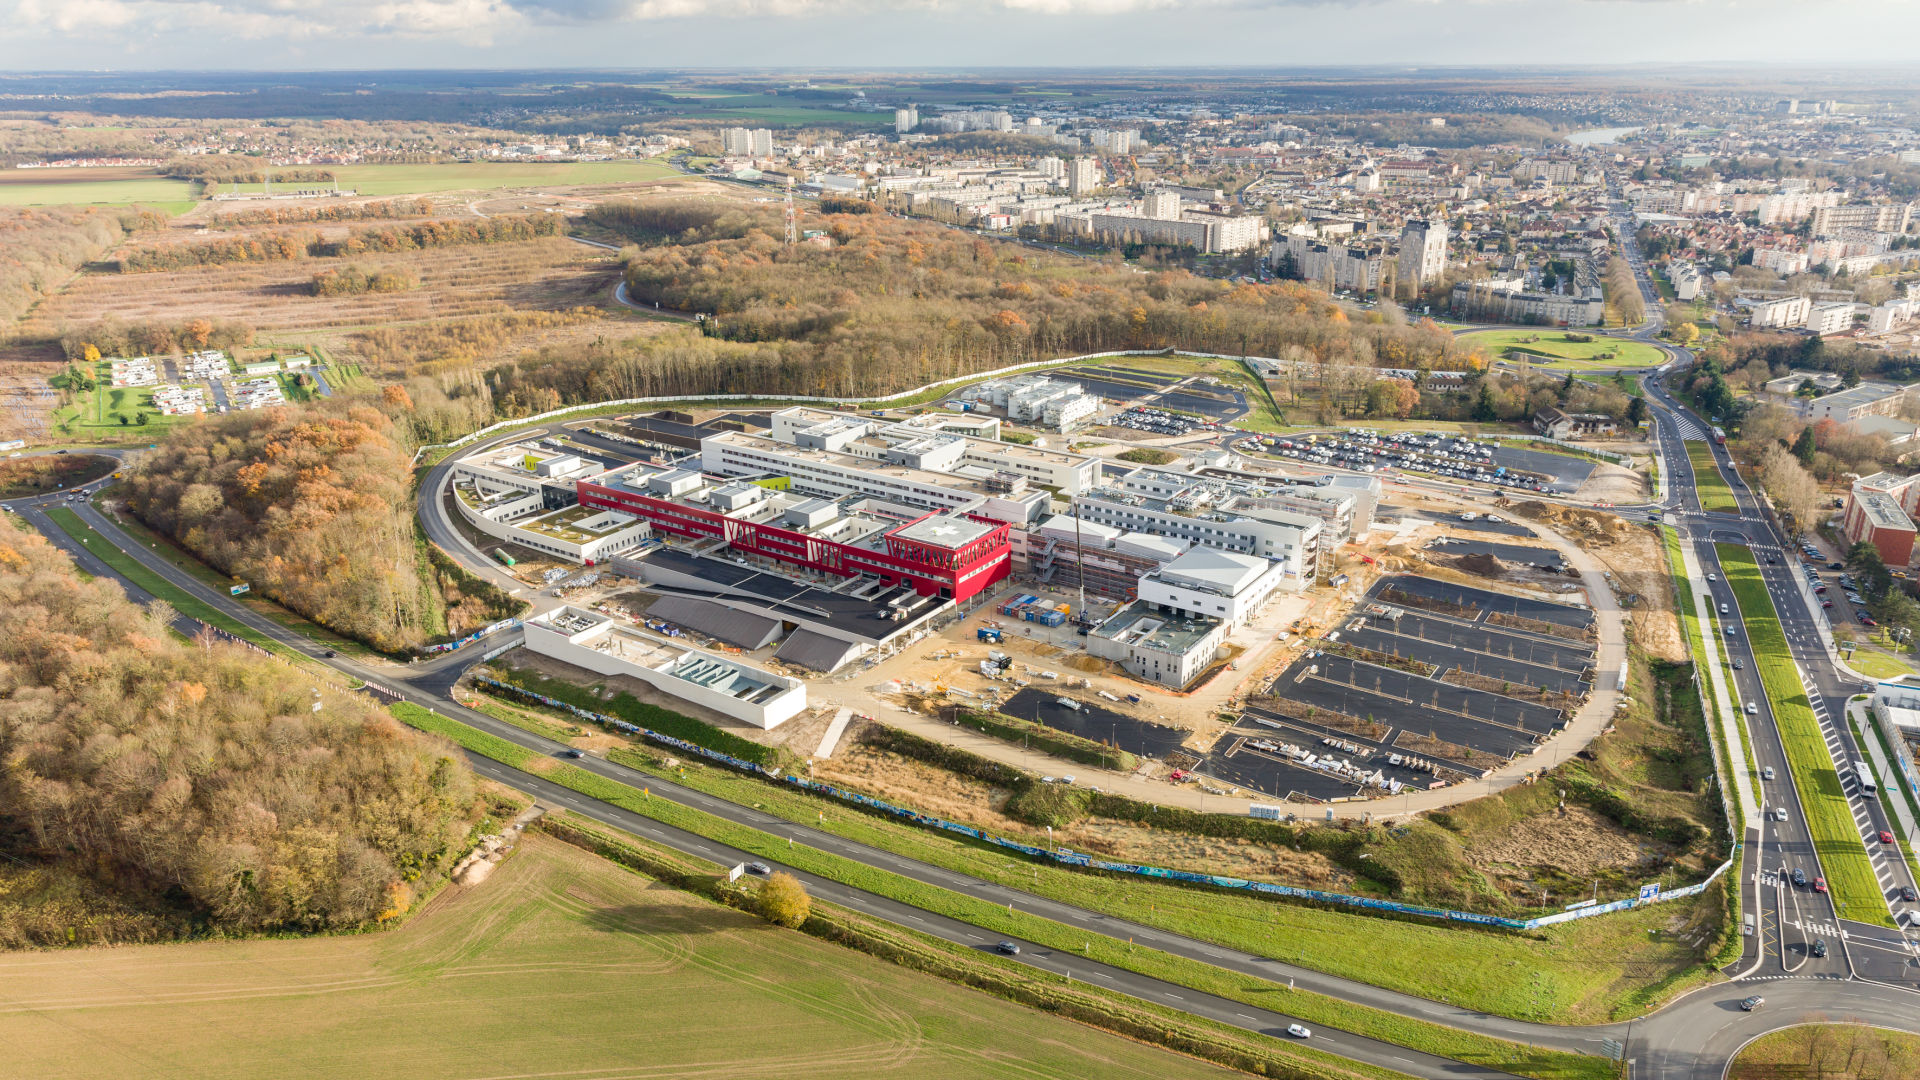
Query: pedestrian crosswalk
(1690, 429)
(1877, 853)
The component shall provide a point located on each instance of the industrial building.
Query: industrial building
(604, 646)
(1038, 401)
(1209, 583)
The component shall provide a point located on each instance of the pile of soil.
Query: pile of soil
(1588, 528)
(1479, 564)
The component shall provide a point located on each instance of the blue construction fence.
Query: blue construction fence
(493, 628)
(1064, 857)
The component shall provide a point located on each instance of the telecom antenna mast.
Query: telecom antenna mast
(793, 222)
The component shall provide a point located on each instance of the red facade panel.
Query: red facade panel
(931, 570)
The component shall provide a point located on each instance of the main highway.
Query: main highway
(1871, 973)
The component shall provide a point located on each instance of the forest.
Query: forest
(312, 506)
(120, 337)
(386, 209)
(896, 304)
(157, 788)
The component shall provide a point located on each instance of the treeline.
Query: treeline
(266, 247)
(283, 246)
(192, 786)
(300, 215)
(685, 221)
(313, 506)
(434, 234)
(232, 169)
(353, 281)
(41, 248)
(153, 337)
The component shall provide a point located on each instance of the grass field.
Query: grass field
(1829, 1052)
(1715, 495)
(484, 176)
(111, 187)
(1464, 968)
(1550, 349)
(561, 964)
(1705, 646)
(1836, 837)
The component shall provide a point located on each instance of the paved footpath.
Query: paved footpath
(1727, 708)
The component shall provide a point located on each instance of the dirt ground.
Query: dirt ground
(1577, 842)
(1613, 484)
(1637, 557)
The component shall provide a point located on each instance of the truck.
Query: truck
(988, 634)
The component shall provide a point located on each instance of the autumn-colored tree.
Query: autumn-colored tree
(91, 353)
(197, 778)
(783, 901)
(313, 506)
(394, 396)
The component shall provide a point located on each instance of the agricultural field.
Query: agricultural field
(587, 968)
(112, 187)
(1829, 816)
(1551, 349)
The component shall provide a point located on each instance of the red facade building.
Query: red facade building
(947, 555)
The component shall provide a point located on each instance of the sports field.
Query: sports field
(559, 965)
(1547, 348)
(484, 176)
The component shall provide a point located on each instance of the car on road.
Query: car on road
(1299, 1032)
(1907, 894)
(1713, 577)
(1886, 837)
(1819, 884)
(1779, 813)
(760, 868)
(1819, 948)
(1752, 1003)
(570, 752)
(1752, 709)
(1799, 877)
(1008, 948)
(1766, 773)
(1737, 665)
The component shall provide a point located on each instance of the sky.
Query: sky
(40, 35)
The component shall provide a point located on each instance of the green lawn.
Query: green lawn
(1840, 1051)
(1711, 486)
(1829, 817)
(579, 967)
(484, 176)
(1550, 349)
(1879, 665)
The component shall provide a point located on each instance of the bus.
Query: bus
(1719, 436)
(1864, 775)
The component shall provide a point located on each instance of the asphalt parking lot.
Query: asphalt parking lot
(1267, 752)
(1545, 558)
(1470, 657)
(1485, 602)
(1092, 721)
